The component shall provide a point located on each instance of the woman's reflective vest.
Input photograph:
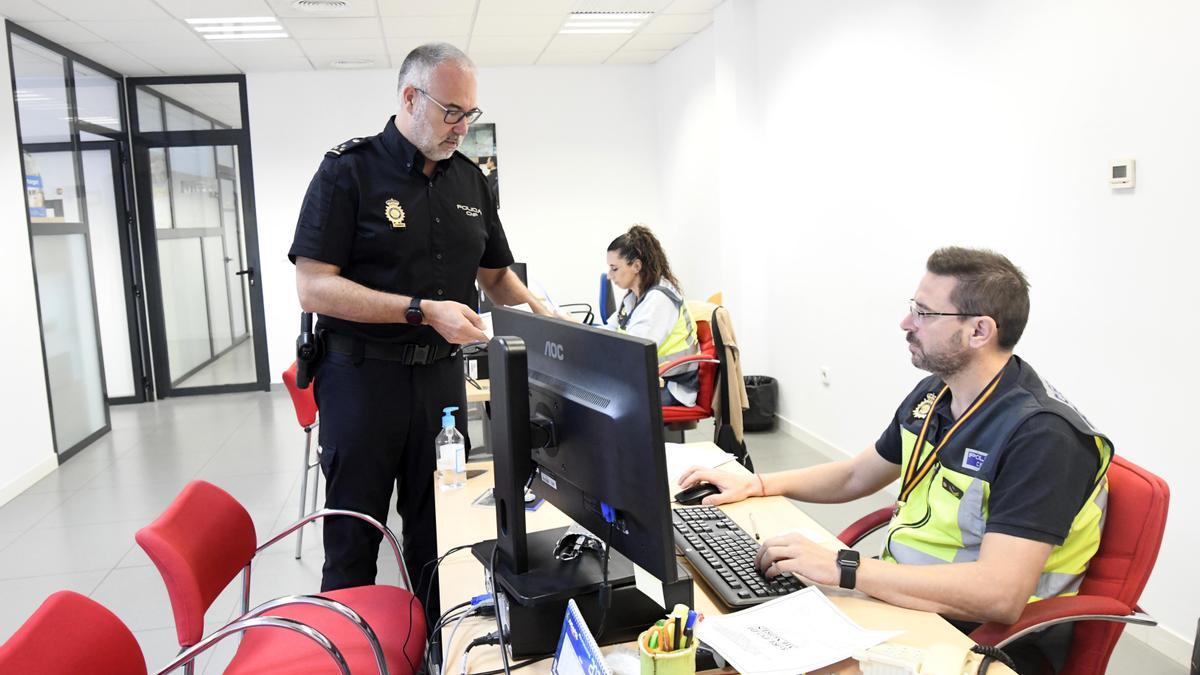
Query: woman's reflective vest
(681, 341)
(945, 515)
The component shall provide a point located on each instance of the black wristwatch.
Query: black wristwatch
(413, 314)
(847, 560)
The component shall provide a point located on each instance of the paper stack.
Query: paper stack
(794, 634)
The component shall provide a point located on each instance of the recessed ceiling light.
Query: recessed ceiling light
(603, 23)
(321, 5)
(350, 64)
(238, 28)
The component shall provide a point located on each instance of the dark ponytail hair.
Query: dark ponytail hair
(639, 243)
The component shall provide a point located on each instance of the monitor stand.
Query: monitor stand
(537, 599)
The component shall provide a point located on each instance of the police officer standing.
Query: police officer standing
(394, 231)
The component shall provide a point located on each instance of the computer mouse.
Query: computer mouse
(696, 493)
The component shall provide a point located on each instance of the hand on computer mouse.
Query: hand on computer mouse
(733, 487)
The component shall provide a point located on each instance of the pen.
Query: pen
(678, 632)
(754, 528)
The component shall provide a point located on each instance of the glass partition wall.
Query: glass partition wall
(84, 250)
(196, 208)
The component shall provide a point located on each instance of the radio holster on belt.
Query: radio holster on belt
(310, 348)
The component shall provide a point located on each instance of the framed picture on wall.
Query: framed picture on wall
(480, 145)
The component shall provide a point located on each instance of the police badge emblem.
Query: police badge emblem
(394, 213)
(922, 410)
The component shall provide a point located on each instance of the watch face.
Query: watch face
(414, 315)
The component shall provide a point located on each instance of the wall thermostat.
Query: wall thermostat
(1122, 174)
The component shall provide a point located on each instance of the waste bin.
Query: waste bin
(763, 393)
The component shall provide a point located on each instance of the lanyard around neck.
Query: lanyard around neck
(914, 475)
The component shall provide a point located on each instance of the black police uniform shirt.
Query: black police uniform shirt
(1044, 475)
(372, 212)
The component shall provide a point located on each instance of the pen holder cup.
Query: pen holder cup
(680, 662)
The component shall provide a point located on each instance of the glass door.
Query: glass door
(193, 178)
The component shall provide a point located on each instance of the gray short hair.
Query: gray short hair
(420, 63)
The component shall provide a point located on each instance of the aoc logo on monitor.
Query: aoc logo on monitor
(554, 350)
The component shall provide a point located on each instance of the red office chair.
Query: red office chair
(1115, 577)
(305, 404)
(71, 633)
(205, 538)
(677, 418)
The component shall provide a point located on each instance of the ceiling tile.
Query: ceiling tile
(259, 63)
(426, 7)
(572, 58)
(212, 9)
(504, 58)
(206, 64)
(326, 49)
(586, 43)
(560, 7)
(111, 56)
(62, 32)
(507, 43)
(400, 47)
(257, 48)
(420, 26)
(176, 50)
(643, 41)
(156, 30)
(677, 23)
(27, 10)
(518, 24)
(643, 56)
(357, 8)
(691, 6)
(109, 10)
(331, 28)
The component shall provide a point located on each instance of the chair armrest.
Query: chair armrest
(324, 513)
(683, 361)
(331, 604)
(586, 311)
(240, 625)
(859, 529)
(1065, 609)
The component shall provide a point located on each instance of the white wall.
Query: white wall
(897, 127)
(27, 453)
(577, 160)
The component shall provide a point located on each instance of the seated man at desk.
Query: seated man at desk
(1002, 481)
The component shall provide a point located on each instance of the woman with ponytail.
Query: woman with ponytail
(653, 308)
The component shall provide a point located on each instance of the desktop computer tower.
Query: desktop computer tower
(532, 605)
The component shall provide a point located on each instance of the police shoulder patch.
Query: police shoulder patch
(342, 148)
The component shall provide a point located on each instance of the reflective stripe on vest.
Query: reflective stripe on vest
(936, 526)
(681, 341)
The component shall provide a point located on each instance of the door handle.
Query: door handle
(248, 271)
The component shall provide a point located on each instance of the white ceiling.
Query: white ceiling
(151, 37)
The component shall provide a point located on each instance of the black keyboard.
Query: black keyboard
(723, 553)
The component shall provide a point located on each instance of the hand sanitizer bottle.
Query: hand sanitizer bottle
(451, 453)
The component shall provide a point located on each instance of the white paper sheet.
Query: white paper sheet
(797, 633)
(681, 457)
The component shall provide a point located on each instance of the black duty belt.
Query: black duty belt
(408, 354)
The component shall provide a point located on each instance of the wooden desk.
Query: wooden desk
(483, 394)
(462, 577)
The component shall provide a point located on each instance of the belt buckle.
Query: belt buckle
(420, 355)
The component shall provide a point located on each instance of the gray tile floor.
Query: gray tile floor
(74, 529)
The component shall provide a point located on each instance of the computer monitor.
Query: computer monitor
(593, 404)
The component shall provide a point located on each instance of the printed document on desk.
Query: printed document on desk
(681, 457)
(797, 633)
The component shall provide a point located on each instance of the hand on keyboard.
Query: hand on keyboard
(795, 553)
